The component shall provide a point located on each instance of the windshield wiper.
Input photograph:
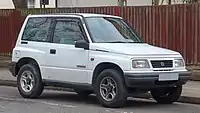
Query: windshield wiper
(134, 42)
(117, 42)
(124, 42)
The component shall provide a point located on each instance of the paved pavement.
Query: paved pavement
(192, 88)
(66, 102)
(6, 75)
(4, 61)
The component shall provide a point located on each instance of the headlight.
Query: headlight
(179, 63)
(140, 64)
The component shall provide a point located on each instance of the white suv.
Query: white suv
(93, 53)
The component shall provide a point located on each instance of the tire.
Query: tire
(37, 85)
(167, 95)
(120, 97)
(83, 93)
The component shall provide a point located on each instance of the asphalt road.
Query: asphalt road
(66, 102)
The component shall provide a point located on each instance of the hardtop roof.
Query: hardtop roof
(74, 14)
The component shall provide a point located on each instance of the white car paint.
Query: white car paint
(136, 49)
(63, 65)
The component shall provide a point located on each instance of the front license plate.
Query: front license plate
(168, 76)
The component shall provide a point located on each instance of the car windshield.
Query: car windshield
(111, 30)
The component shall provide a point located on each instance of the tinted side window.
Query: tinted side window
(67, 32)
(37, 29)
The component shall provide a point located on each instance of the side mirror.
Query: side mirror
(82, 44)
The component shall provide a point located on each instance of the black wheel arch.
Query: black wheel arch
(23, 61)
(105, 65)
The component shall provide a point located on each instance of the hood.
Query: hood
(132, 49)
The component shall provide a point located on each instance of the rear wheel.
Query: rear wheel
(110, 88)
(167, 95)
(29, 81)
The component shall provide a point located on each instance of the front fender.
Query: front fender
(123, 61)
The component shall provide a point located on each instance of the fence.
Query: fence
(176, 27)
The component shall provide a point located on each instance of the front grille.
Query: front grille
(162, 63)
(163, 70)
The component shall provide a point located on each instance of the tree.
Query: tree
(20, 3)
(160, 2)
(169, 2)
(155, 2)
(191, 1)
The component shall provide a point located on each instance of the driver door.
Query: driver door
(65, 62)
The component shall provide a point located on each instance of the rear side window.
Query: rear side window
(37, 29)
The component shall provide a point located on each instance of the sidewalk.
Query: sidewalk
(4, 61)
(190, 94)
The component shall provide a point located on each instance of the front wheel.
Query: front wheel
(110, 88)
(167, 95)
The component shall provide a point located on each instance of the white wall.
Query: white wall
(139, 2)
(91, 3)
(86, 3)
(6, 4)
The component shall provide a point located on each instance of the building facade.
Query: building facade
(86, 3)
(8, 4)
(96, 3)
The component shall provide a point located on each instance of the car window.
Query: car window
(67, 32)
(37, 29)
(111, 30)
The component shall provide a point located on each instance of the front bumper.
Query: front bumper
(151, 80)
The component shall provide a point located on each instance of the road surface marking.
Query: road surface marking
(44, 102)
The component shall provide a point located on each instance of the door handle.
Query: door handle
(52, 51)
(23, 42)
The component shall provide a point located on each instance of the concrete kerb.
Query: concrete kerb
(195, 72)
(4, 64)
(182, 99)
(5, 61)
(8, 83)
